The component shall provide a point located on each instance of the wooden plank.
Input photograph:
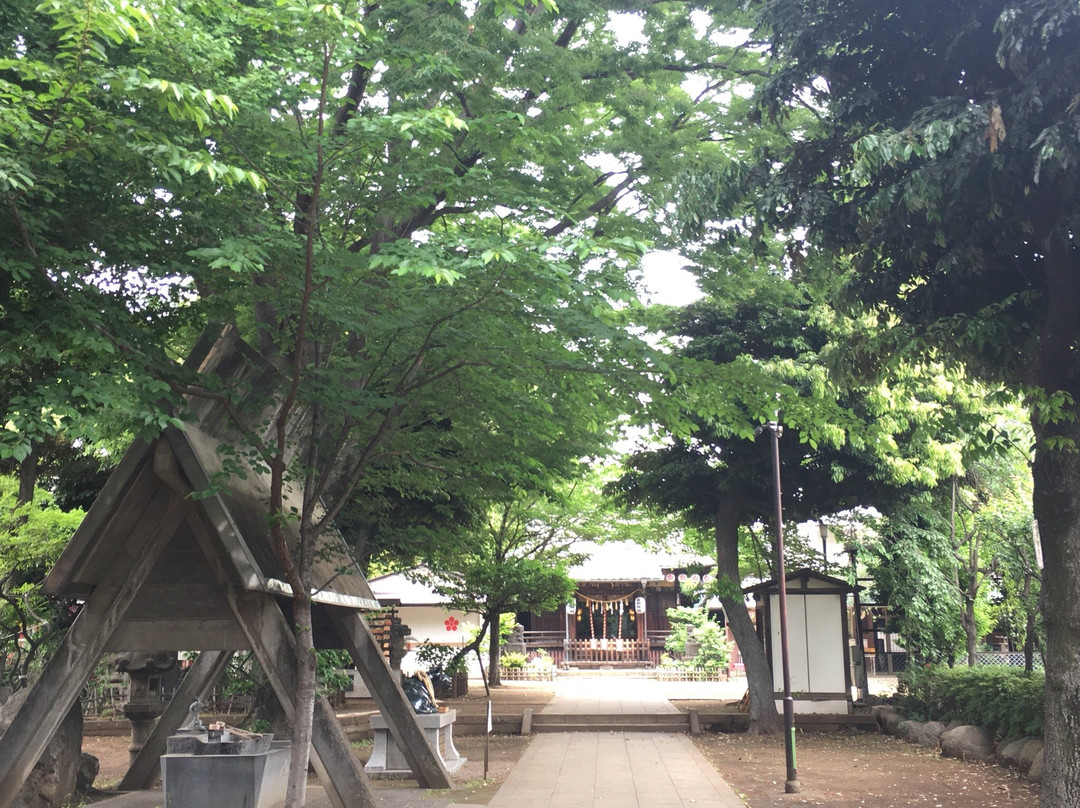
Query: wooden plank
(385, 689)
(340, 772)
(78, 653)
(61, 580)
(222, 634)
(197, 684)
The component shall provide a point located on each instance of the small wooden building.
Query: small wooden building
(618, 616)
(818, 639)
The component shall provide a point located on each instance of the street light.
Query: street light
(791, 785)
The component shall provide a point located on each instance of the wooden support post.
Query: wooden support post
(344, 780)
(386, 691)
(197, 684)
(82, 647)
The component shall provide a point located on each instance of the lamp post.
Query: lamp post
(823, 529)
(791, 785)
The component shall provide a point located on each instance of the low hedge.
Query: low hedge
(1005, 700)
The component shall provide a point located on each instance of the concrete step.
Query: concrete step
(587, 670)
(679, 728)
(649, 722)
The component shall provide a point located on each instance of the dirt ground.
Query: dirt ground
(854, 769)
(840, 770)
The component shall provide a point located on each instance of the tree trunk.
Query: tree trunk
(494, 677)
(1057, 506)
(296, 791)
(1029, 644)
(1056, 501)
(970, 628)
(764, 718)
(1029, 624)
(27, 478)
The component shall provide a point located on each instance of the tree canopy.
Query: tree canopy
(422, 214)
(942, 163)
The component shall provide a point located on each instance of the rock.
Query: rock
(928, 734)
(879, 711)
(890, 723)
(1032, 749)
(906, 728)
(968, 743)
(1036, 771)
(52, 780)
(1010, 754)
(88, 772)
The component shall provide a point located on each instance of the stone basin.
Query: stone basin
(200, 772)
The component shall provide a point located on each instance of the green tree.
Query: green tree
(768, 343)
(32, 535)
(944, 166)
(517, 561)
(423, 214)
(942, 557)
(694, 624)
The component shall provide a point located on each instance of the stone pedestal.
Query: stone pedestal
(387, 761)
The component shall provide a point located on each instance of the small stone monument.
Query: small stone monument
(516, 643)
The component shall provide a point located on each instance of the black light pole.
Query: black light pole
(791, 785)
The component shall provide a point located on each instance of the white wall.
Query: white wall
(429, 624)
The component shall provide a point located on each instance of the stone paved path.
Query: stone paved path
(585, 769)
(620, 770)
(608, 696)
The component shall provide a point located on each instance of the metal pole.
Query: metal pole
(791, 785)
(861, 684)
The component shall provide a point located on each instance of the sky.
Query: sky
(665, 281)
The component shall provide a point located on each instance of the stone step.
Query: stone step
(586, 670)
(620, 727)
(647, 722)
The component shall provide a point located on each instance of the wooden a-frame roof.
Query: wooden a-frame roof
(223, 535)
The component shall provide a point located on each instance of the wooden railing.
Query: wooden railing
(564, 651)
(606, 651)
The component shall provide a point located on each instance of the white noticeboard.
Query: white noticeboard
(815, 650)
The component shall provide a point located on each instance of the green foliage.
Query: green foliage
(513, 661)
(436, 657)
(330, 668)
(1007, 701)
(32, 537)
(941, 559)
(713, 647)
(244, 677)
(914, 567)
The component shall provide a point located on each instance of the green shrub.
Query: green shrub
(438, 657)
(1005, 700)
(513, 661)
(713, 647)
